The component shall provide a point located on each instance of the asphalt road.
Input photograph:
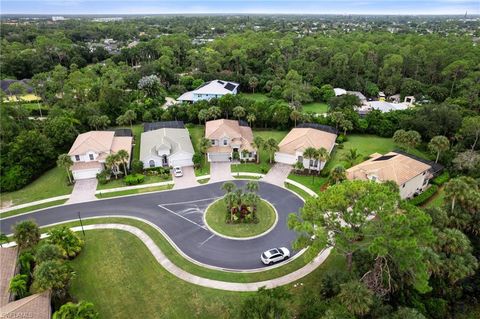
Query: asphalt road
(179, 214)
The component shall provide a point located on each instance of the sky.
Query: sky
(389, 7)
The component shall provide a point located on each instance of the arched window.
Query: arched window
(151, 163)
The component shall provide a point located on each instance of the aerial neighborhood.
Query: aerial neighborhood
(240, 166)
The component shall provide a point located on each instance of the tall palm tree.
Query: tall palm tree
(228, 187)
(251, 118)
(352, 156)
(271, 146)
(123, 158)
(252, 186)
(258, 143)
(309, 153)
(229, 200)
(323, 156)
(65, 161)
(439, 144)
(112, 163)
(337, 174)
(205, 144)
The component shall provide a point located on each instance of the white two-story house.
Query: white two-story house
(209, 90)
(90, 150)
(411, 175)
(228, 137)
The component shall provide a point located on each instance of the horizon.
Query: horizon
(246, 7)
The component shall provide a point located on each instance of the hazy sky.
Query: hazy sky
(394, 7)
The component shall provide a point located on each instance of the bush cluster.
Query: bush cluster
(134, 179)
(441, 179)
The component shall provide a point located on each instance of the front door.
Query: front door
(164, 160)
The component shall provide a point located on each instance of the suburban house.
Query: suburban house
(166, 147)
(384, 106)
(229, 137)
(409, 173)
(209, 90)
(90, 150)
(293, 145)
(34, 306)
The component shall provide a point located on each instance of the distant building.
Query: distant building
(209, 90)
(58, 18)
(385, 107)
(339, 91)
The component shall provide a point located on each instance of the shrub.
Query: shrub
(197, 159)
(137, 166)
(264, 168)
(134, 179)
(189, 125)
(341, 138)
(423, 197)
(103, 177)
(441, 179)
(69, 243)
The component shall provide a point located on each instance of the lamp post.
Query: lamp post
(81, 223)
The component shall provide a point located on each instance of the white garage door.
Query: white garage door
(218, 157)
(85, 174)
(181, 162)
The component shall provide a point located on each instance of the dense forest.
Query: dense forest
(83, 88)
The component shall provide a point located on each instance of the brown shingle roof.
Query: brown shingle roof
(36, 306)
(299, 139)
(389, 167)
(8, 263)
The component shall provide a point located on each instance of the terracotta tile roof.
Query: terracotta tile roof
(36, 306)
(299, 139)
(230, 128)
(219, 149)
(97, 141)
(122, 143)
(86, 165)
(389, 167)
(8, 264)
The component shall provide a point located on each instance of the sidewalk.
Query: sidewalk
(204, 282)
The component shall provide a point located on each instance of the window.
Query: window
(311, 162)
(403, 186)
(77, 157)
(90, 156)
(250, 154)
(213, 142)
(225, 142)
(151, 163)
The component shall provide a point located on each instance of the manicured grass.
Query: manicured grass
(32, 208)
(52, 183)
(197, 132)
(437, 200)
(114, 183)
(314, 183)
(216, 215)
(118, 274)
(192, 268)
(300, 192)
(134, 191)
(256, 96)
(315, 107)
(246, 177)
(203, 180)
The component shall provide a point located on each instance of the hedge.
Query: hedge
(423, 197)
(441, 179)
(134, 179)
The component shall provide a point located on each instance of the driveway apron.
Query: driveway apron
(83, 191)
(277, 174)
(220, 171)
(187, 180)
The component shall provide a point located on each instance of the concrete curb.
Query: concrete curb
(204, 282)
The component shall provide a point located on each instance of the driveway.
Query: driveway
(83, 191)
(179, 213)
(220, 171)
(187, 180)
(277, 174)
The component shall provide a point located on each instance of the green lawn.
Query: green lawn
(300, 192)
(216, 214)
(315, 107)
(255, 96)
(135, 191)
(137, 133)
(32, 208)
(52, 183)
(437, 200)
(114, 183)
(314, 183)
(197, 132)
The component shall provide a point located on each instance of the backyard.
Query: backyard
(315, 107)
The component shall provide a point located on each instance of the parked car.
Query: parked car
(177, 171)
(275, 255)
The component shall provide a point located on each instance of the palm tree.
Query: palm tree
(309, 153)
(352, 156)
(18, 285)
(258, 143)
(238, 112)
(323, 156)
(356, 297)
(251, 118)
(252, 186)
(271, 146)
(112, 163)
(455, 189)
(203, 115)
(205, 144)
(337, 174)
(228, 187)
(67, 240)
(439, 144)
(214, 112)
(27, 234)
(65, 161)
(70, 310)
(123, 158)
(295, 116)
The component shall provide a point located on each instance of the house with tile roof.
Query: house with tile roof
(35, 306)
(229, 137)
(293, 145)
(210, 90)
(409, 173)
(166, 147)
(90, 150)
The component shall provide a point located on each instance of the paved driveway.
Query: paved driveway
(179, 214)
(220, 171)
(278, 174)
(83, 191)
(187, 180)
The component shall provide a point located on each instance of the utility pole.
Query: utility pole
(81, 223)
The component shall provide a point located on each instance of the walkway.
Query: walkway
(83, 191)
(220, 171)
(210, 283)
(278, 174)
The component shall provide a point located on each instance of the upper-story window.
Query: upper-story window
(77, 157)
(213, 142)
(90, 156)
(225, 142)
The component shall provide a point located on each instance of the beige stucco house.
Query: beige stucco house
(411, 175)
(228, 137)
(293, 145)
(90, 150)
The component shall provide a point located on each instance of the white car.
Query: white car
(177, 171)
(275, 255)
